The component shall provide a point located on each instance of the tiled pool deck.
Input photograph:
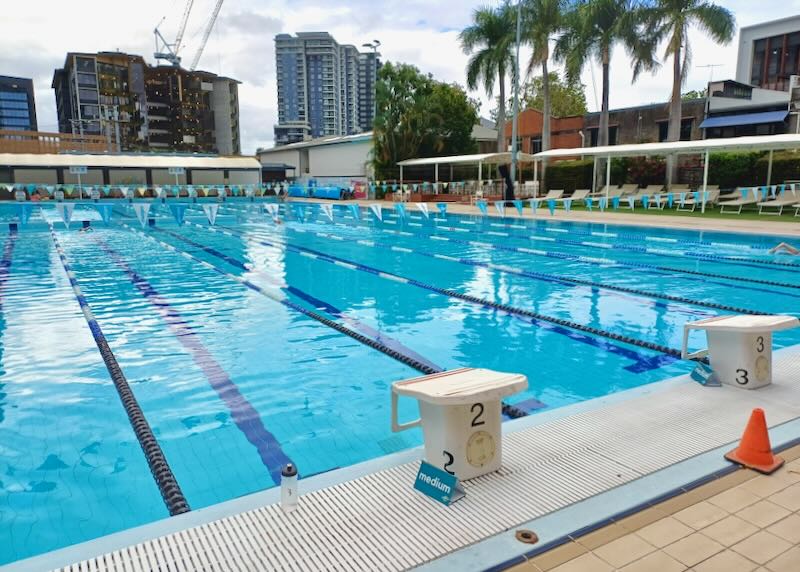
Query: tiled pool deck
(738, 523)
(564, 470)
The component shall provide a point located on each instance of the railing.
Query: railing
(39, 142)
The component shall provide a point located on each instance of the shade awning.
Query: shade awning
(750, 143)
(489, 158)
(745, 119)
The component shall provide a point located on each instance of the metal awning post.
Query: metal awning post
(594, 174)
(705, 181)
(480, 173)
(401, 176)
(769, 169)
(436, 172)
(608, 178)
(536, 178)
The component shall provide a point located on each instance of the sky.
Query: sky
(35, 36)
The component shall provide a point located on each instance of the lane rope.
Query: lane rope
(159, 467)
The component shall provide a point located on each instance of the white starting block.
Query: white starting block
(20, 196)
(739, 347)
(460, 415)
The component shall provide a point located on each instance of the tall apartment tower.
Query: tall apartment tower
(17, 106)
(323, 88)
(139, 107)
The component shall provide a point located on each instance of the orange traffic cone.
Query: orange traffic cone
(754, 451)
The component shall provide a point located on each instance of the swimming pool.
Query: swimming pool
(233, 339)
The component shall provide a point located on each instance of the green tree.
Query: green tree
(670, 20)
(591, 30)
(419, 117)
(542, 21)
(693, 94)
(489, 41)
(567, 96)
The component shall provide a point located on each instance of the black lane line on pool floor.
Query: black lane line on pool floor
(244, 415)
(651, 268)
(159, 467)
(526, 315)
(511, 411)
(540, 276)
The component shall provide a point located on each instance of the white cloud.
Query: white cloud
(37, 34)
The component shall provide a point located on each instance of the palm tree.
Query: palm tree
(669, 20)
(542, 20)
(490, 41)
(591, 30)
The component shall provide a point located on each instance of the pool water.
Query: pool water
(211, 328)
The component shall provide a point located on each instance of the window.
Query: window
(757, 69)
(88, 95)
(536, 144)
(13, 96)
(686, 129)
(594, 135)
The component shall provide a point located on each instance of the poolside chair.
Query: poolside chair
(653, 189)
(689, 204)
(788, 197)
(553, 194)
(741, 197)
(577, 195)
(628, 189)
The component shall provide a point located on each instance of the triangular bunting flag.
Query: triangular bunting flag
(631, 202)
(105, 211)
(376, 210)
(401, 210)
(615, 202)
(327, 209)
(670, 200)
(106, 190)
(442, 208)
(141, 191)
(501, 207)
(178, 211)
(518, 205)
(603, 202)
(423, 208)
(211, 212)
(567, 204)
(50, 190)
(534, 205)
(590, 202)
(551, 204)
(65, 210)
(645, 201)
(481, 204)
(142, 210)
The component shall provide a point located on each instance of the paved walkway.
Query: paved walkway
(739, 523)
(734, 224)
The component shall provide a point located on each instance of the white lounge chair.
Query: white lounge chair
(689, 203)
(577, 195)
(743, 196)
(787, 198)
(553, 194)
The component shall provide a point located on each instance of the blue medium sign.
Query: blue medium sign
(438, 484)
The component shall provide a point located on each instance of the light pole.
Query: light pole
(516, 99)
(373, 45)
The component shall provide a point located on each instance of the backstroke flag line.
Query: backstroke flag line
(423, 207)
(142, 210)
(211, 212)
(65, 210)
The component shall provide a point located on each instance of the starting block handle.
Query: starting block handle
(396, 426)
(685, 347)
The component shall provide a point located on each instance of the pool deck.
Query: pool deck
(563, 470)
(734, 224)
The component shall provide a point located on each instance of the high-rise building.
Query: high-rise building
(17, 107)
(142, 107)
(323, 88)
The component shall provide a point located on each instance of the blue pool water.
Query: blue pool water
(210, 326)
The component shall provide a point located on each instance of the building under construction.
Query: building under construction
(139, 107)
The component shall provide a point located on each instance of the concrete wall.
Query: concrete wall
(163, 177)
(127, 177)
(243, 177)
(342, 160)
(640, 124)
(39, 176)
(288, 157)
(223, 117)
(564, 131)
(208, 178)
(93, 177)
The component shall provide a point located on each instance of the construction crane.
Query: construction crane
(169, 51)
(206, 34)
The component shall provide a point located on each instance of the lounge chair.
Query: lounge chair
(788, 197)
(711, 199)
(743, 196)
(553, 194)
(628, 189)
(577, 195)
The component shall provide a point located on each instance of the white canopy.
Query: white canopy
(134, 161)
(754, 143)
(488, 158)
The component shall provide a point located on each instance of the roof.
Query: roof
(756, 143)
(330, 140)
(493, 158)
(745, 119)
(127, 161)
